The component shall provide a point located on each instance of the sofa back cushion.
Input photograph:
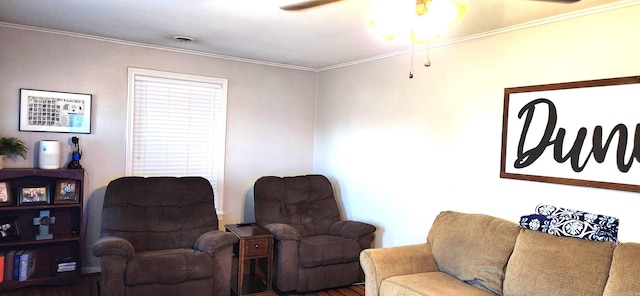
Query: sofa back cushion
(544, 264)
(623, 275)
(474, 248)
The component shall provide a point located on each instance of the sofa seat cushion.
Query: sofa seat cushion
(623, 275)
(429, 283)
(474, 248)
(168, 267)
(327, 250)
(544, 264)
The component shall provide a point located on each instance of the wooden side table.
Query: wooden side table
(255, 244)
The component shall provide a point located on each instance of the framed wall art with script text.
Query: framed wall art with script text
(584, 133)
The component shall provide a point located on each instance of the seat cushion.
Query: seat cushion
(544, 264)
(429, 283)
(474, 248)
(168, 267)
(326, 250)
(623, 276)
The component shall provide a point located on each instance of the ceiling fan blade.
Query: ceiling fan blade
(307, 4)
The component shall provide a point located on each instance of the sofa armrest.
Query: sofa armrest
(111, 245)
(380, 264)
(213, 241)
(351, 229)
(283, 231)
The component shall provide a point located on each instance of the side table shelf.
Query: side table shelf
(46, 208)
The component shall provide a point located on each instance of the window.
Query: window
(176, 126)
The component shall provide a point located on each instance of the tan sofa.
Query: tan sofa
(474, 254)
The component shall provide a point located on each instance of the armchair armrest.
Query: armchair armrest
(213, 241)
(111, 245)
(283, 231)
(351, 229)
(383, 263)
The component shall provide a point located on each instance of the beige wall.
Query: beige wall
(270, 117)
(401, 150)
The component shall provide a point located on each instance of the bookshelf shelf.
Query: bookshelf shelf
(65, 224)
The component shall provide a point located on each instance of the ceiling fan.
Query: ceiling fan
(315, 3)
(307, 4)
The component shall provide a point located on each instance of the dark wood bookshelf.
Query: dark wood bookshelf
(68, 230)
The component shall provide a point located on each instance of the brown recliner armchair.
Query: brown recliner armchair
(314, 248)
(160, 237)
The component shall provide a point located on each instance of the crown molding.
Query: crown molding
(158, 47)
(531, 24)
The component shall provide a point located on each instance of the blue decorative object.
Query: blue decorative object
(43, 221)
(75, 155)
(571, 223)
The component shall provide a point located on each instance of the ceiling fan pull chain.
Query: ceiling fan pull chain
(427, 63)
(411, 68)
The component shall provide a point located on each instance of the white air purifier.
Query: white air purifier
(49, 155)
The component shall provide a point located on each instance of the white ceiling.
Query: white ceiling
(317, 38)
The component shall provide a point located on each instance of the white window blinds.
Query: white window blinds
(177, 126)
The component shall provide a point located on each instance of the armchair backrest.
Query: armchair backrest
(304, 202)
(158, 213)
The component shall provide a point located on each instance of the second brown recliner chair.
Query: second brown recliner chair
(315, 249)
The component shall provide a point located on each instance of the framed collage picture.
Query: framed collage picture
(50, 111)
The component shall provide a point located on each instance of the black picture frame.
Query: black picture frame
(66, 192)
(34, 195)
(54, 111)
(10, 228)
(6, 198)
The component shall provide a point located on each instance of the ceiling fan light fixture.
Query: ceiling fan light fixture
(418, 20)
(393, 19)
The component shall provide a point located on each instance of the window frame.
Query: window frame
(220, 134)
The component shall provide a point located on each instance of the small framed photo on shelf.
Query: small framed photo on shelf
(6, 199)
(66, 192)
(34, 195)
(9, 228)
